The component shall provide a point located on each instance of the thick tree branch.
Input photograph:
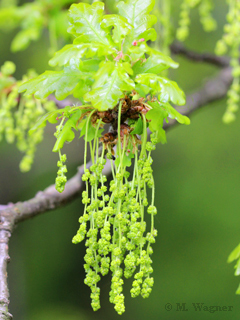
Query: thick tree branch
(178, 48)
(4, 259)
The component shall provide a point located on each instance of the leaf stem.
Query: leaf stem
(86, 134)
(144, 137)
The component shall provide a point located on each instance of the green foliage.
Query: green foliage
(235, 255)
(231, 40)
(63, 82)
(97, 34)
(113, 70)
(19, 113)
(204, 7)
(32, 18)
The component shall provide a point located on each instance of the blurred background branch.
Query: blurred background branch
(179, 49)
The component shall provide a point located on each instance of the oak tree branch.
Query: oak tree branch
(178, 48)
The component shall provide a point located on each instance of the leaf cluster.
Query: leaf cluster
(32, 18)
(109, 58)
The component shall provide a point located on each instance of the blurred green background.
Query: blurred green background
(197, 184)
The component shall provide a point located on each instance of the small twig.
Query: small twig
(178, 48)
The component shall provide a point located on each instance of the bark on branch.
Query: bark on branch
(178, 48)
(50, 199)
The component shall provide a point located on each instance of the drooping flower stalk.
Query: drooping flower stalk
(113, 221)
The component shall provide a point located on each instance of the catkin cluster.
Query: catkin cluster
(18, 114)
(231, 41)
(205, 8)
(113, 223)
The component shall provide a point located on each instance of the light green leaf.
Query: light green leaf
(238, 290)
(61, 82)
(90, 65)
(142, 89)
(72, 53)
(234, 255)
(41, 123)
(138, 128)
(10, 17)
(156, 115)
(126, 157)
(168, 90)
(161, 136)
(149, 34)
(171, 91)
(174, 114)
(86, 20)
(95, 48)
(165, 59)
(137, 14)
(103, 74)
(91, 131)
(68, 53)
(127, 67)
(154, 64)
(237, 267)
(24, 37)
(83, 86)
(120, 26)
(106, 95)
(67, 134)
(137, 52)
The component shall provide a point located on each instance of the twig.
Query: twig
(178, 48)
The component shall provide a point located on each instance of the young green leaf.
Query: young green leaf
(106, 95)
(90, 65)
(91, 131)
(237, 268)
(234, 255)
(161, 57)
(23, 38)
(74, 52)
(174, 114)
(63, 82)
(85, 20)
(137, 14)
(154, 64)
(103, 73)
(67, 134)
(168, 90)
(138, 128)
(68, 53)
(238, 290)
(156, 115)
(142, 89)
(161, 136)
(120, 25)
(50, 117)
